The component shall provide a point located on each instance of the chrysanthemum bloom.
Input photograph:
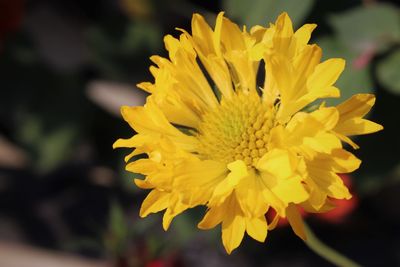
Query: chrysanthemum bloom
(213, 134)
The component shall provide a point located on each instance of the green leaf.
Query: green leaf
(353, 80)
(388, 71)
(262, 12)
(141, 35)
(118, 232)
(49, 147)
(364, 28)
(55, 147)
(117, 221)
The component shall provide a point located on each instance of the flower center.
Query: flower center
(238, 129)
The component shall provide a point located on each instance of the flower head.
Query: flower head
(213, 134)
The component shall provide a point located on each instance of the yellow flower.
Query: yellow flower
(213, 134)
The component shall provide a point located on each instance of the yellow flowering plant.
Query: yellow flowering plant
(214, 135)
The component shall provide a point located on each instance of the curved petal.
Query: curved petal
(233, 226)
(149, 120)
(296, 222)
(238, 171)
(154, 202)
(257, 228)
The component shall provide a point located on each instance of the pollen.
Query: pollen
(237, 129)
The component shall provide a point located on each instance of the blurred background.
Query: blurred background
(67, 66)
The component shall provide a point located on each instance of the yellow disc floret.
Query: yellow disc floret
(238, 129)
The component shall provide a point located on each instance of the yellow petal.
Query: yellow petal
(232, 233)
(124, 143)
(338, 161)
(328, 117)
(143, 184)
(296, 222)
(304, 64)
(317, 197)
(356, 106)
(323, 142)
(154, 202)
(187, 71)
(169, 215)
(175, 208)
(284, 26)
(303, 34)
(347, 140)
(357, 126)
(278, 138)
(274, 201)
(151, 121)
(250, 196)
(281, 72)
(325, 74)
(225, 187)
(132, 154)
(220, 74)
(290, 190)
(202, 34)
(327, 206)
(277, 162)
(134, 141)
(274, 222)
(146, 86)
(283, 33)
(309, 129)
(351, 112)
(207, 45)
(212, 218)
(330, 183)
(197, 180)
(243, 70)
(233, 227)
(144, 166)
(217, 33)
(167, 219)
(231, 36)
(257, 228)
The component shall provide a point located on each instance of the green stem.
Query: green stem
(326, 252)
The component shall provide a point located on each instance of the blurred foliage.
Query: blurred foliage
(112, 55)
(263, 12)
(119, 231)
(50, 147)
(373, 30)
(364, 28)
(389, 72)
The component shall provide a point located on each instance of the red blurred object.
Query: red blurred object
(364, 59)
(173, 260)
(156, 263)
(11, 13)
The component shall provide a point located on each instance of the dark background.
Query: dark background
(67, 66)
